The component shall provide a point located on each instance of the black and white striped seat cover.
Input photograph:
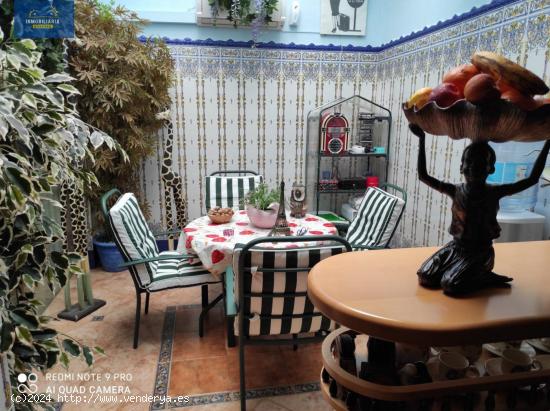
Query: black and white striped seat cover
(376, 219)
(224, 191)
(259, 310)
(136, 241)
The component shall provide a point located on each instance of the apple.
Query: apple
(445, 94)
(460, 75)
(481, 88)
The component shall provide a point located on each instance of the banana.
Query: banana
(508, 72)
(419, 98)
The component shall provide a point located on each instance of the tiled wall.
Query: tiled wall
(246, 108)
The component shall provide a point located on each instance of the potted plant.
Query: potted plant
(262, 206)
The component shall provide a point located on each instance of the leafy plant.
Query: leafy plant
(245, 11)
(261, 197)
(124, 83)
(42, 142)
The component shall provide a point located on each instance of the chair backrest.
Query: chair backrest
(271, 284)
(133, 236)
(377, 218)
(228, 191)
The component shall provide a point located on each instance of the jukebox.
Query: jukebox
(334, 134)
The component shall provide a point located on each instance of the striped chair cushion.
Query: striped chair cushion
(229, 191)
(133, 236)
(259, 310)
(376, 219)
(179, 273)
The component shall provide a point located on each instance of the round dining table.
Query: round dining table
(213, 244)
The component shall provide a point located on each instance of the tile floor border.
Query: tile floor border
(162, 378)
(165, 358)
(220, 397)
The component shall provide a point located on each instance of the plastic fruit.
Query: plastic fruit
(460, 75)
(523, 101)
(481, 88)
(419, 98)
(510, 73)
(445, 94)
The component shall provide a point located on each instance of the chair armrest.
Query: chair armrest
(157, 258)
(167, 232)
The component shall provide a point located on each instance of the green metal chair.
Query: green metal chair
(270, 285)
(377, 218)
(228, 188)
(151, 270)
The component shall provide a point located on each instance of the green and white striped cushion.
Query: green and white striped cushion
(133, 236)
(179, 273)
(224, 191)
(294, 314)
(376, 219)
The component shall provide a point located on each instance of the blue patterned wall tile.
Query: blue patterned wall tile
(488, 40)
(512, 34)
(538, 31)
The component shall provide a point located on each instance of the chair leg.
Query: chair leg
(204, 295)
(136, 324)
(147, 303)
(230, 322)
(204, 311)
(241, 374)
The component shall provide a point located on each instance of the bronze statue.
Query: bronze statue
(281, 224)
(465, 263)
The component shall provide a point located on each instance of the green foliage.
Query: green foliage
(42, 141)
(124, 83)
(245, 12)
(261, 197)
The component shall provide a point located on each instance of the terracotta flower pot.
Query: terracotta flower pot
(262, 218)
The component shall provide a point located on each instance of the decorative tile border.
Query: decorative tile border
(165, 357)
(474, 12)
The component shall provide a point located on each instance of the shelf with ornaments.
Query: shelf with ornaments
(348, 140)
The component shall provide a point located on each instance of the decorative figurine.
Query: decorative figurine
(298, 201)
(281, 225)
(465, 264)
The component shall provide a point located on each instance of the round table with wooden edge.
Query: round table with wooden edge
(377, 293)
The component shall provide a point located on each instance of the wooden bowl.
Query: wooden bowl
(220, 215)
(497, 121)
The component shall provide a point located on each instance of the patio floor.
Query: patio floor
(197, 366)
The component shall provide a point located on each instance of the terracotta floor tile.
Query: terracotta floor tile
(191, 377)
(189, 346)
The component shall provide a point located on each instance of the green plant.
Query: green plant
(245, 11)
(124, 84)
(261, 197)
(42, 142)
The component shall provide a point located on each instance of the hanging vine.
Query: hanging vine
(245, 12)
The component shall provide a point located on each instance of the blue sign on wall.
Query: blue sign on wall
(44, 18)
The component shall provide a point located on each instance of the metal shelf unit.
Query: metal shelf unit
(369, 126)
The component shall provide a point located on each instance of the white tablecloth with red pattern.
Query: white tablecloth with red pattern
(214, 243)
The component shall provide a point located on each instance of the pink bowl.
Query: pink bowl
(262, 218)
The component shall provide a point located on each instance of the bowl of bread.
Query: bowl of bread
(220, 215)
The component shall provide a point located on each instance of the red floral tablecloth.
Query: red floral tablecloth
(214, 243)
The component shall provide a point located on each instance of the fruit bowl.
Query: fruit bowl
(497, 121)
(220, 215)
